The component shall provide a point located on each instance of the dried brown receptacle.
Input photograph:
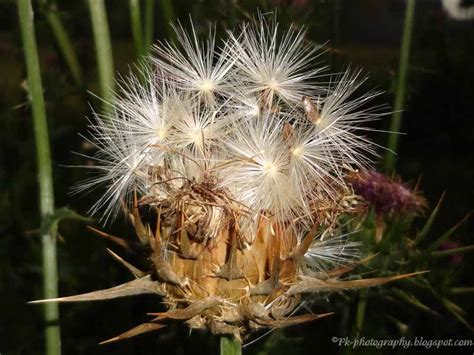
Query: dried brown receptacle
(234, 282)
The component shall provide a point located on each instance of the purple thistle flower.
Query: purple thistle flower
(386, 195)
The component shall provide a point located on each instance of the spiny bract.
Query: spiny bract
(231, 160)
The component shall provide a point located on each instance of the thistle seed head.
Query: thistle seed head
(233, 162)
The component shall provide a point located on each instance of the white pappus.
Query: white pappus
(249, 114)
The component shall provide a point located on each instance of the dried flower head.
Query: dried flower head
(232, 164)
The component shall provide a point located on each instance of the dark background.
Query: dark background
(438, 121)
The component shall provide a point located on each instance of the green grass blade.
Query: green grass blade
(64, 42)
(136, 21)
(103, 51)
(168, 16)
(400, 86)
(148, 32)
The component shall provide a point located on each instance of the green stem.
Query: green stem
(455, 251)
(462, 290)
(149, 25)
(230, 346)
(45, 175)
(168, 16)
(438, 242)
(64, 41)
(136, 20)
(359, 321)
(360, 315)
(103, 51)
(400, 86)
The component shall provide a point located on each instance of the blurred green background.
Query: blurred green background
(438, 147)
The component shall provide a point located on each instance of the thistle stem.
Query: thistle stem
(462, 290)
(45, 175)
(230, 346)
(148, 31)
(168, 15)
(400, 86)
(135, 18)
(64, 42)
(455, 251)
(103, 51)
(360, 315)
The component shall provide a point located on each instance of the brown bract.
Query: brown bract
(222, 281)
